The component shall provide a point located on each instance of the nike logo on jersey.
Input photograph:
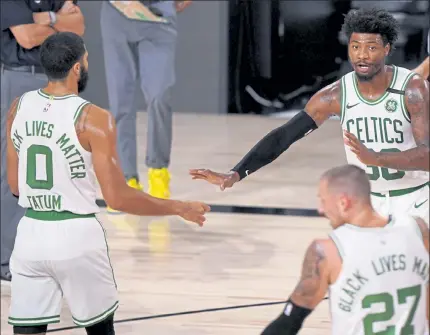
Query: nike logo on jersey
(348, 106)
(418, 206)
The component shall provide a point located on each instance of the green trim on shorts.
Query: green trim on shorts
(98, 318)
(33, 321)
(397, 193)
(55, 216)
(107, 251)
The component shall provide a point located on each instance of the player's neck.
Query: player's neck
(61, 88)
(377, 85)
(366, 217)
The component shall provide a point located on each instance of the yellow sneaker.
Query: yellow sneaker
(158, 183)
(132, 182)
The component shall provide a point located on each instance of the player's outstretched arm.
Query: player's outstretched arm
(96, 129)
(309, 292)
(11, 154)
(320, 107)
(417, 105)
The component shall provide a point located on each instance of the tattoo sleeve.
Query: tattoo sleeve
(417, 104)
(313, 283)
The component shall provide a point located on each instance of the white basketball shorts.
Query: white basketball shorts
(415, 203)
(60, 255)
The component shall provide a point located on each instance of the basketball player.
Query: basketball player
(384, 112)
(58, 146)
(376, 270)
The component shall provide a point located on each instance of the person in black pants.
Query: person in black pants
(25, 24)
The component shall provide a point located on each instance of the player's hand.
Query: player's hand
(68, 8)
(223, 180)
(365, 155)
(194, 211)
(181, 5)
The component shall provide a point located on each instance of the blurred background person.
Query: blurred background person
(139, 41)
(25, 25)
(423, 68)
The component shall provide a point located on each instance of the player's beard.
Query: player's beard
(83, 79)
(368, 77)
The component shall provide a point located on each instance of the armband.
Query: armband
(289, 322)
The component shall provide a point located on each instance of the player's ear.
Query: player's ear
(387, 49)
(76, 68)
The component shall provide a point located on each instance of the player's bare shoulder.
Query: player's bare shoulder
(417, 94)
(325, 103)
(94, 121)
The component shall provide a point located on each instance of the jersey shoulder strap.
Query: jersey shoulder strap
(401, 78)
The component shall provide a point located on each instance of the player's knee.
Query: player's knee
(104, 327)
(33, 330)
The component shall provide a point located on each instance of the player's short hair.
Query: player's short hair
(371, 21)
(349, 179)
(59, 52)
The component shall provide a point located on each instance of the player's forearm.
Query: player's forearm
(416, 159)
(32, 35)
(136, 202)
(274, 144)
(71, 22)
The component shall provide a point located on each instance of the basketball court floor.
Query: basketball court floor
(231, 276)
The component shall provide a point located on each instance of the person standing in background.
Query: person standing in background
(25, 24)
(139, 40)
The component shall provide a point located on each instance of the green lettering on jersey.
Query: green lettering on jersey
(370, 320)
(421, 268)
(74, 157)
(39, 128)
(62, 141)
(376, 130)
(45, 202)
(17, 140)
(39, 177)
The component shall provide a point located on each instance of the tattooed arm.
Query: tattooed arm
(417, 104)
(309, 292)
(314, 280)
(11, 154)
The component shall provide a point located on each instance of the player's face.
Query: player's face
(331, 205)
(367, 54)
(83, 74)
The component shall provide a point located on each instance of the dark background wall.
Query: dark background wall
(201, 61)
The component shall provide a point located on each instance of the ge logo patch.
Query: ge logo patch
(391, 105)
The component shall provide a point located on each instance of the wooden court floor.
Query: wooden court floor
(165, 266)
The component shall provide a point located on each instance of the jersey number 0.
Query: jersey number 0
(39, 167)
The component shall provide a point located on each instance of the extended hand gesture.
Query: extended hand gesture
(194, 211)
(223, 180)
(365, 155)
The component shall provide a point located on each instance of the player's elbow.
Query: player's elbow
(26, 41)
(14, 188)
(24, 35)
(113, 201)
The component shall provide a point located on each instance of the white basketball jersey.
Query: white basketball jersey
(55, 172)
(383, 125)
(382, 287)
